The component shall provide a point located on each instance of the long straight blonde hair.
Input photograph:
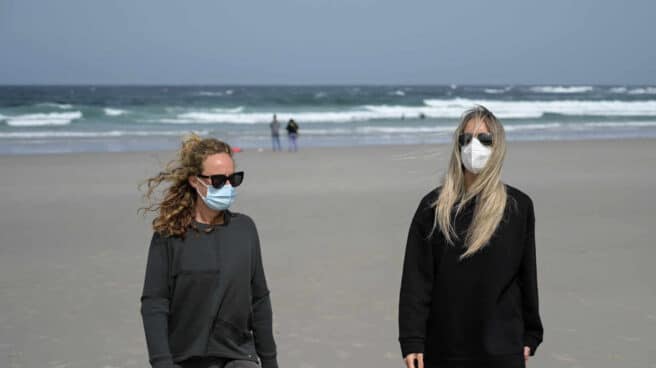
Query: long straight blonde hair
(491, 202)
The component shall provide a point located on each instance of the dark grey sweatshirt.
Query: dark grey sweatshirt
(479, 312)
(206, 295)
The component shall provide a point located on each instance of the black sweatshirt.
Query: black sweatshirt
(480, 311)
(207, 295)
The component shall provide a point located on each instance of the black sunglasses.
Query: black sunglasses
(218, 181)
(484, 138)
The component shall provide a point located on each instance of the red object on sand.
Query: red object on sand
(236, 149)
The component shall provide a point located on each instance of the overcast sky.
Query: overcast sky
(327, 42)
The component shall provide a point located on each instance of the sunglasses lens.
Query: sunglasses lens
(485, 139)
(237, 178)
(218, 181)
(464, 138)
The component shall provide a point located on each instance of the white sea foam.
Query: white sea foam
(227, 92)
(57, 105)
(405, 130)
(374, 130)
(618, 90)
(432, 108)
(265, 117)
(229, 110)
(209, 93)
(621, 124)
(105, 134)
(332, 131)
(114, 112)
(534, 109)
(516, 127)
(34, 120)
(561, 89)
(494, 91)
(362, 113)
(398, 92)
(369, 130)
(643, 91)
(634, 91)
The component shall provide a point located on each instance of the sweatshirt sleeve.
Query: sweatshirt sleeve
(416, 285)
(262, 314)
(155, 304)
(529, 286)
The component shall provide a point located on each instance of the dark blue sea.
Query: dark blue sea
(57, 119)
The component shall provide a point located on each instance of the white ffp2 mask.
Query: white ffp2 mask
(475, 155)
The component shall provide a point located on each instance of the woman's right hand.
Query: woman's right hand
(410, 360)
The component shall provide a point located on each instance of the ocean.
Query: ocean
(60, 119)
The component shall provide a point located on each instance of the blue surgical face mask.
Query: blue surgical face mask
(218, 199)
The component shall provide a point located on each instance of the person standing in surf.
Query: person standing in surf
(292, 134)
(275, 134)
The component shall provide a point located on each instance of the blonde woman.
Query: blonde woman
(469, 293)
(205, 301)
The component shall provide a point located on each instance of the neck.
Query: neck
(206, 215)
(469, 179)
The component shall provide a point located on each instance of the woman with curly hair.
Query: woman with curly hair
(205, 300)
(469, 292)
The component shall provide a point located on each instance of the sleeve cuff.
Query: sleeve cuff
(532, 343)
(412, 346)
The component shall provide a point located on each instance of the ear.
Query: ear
(192, 180)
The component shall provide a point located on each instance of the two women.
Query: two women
(205, 300)
(469, 295)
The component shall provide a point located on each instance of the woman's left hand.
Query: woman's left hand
(527, 352)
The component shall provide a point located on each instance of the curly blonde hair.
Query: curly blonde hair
(175, 211)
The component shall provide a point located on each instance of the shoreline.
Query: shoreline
(335, 147)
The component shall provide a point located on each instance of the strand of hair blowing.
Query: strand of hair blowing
(175, 211)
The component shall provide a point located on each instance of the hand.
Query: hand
(410, 360)
(527, 353)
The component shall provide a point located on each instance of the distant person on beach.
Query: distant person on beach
(292, 134)
(205, 300)
(469, 290)
(275, 133)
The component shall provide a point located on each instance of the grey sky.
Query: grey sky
(327, 41)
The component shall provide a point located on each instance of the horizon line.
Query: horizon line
(321, 84)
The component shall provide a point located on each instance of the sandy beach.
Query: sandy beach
(333, 223)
